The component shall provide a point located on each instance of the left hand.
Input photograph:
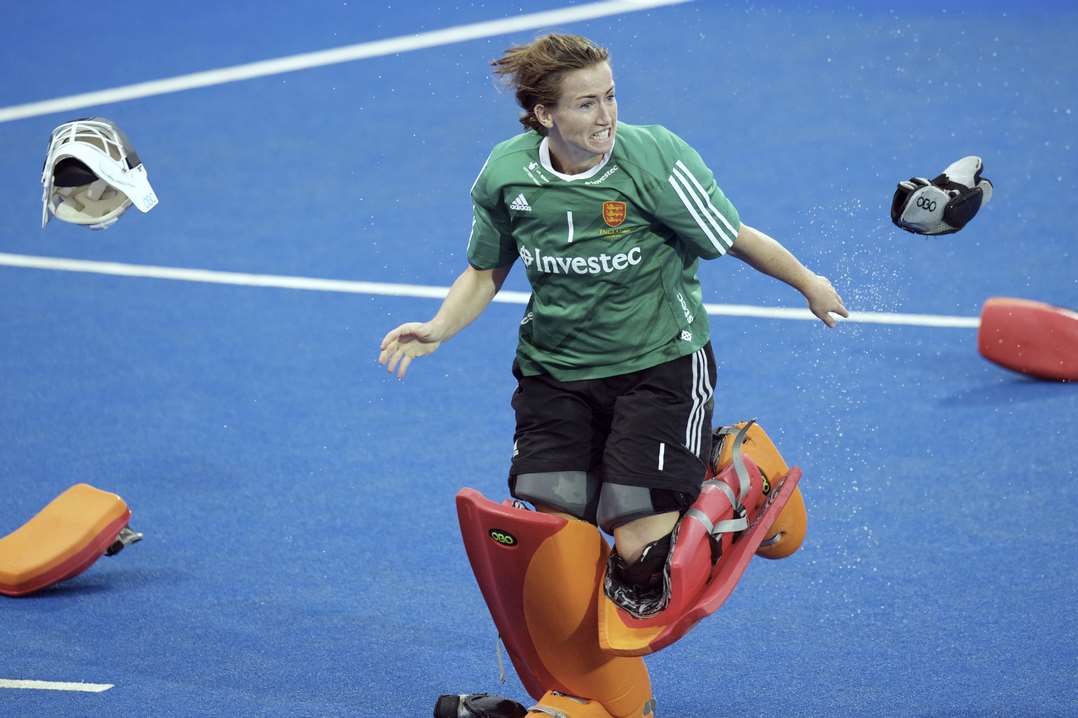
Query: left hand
(823, 300)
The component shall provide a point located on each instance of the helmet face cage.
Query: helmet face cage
(92, 174)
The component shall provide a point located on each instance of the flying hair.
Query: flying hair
(535, 70)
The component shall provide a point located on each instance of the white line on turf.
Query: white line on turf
(426, 292)
(55, 686)
(348, 53)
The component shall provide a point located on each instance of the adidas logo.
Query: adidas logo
(520, 204)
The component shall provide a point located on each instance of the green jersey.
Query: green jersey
(611, 253)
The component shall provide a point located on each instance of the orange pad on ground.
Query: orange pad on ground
(1030, 337)
(64, 539)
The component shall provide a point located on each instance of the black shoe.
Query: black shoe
(477, 705)
(646, 574)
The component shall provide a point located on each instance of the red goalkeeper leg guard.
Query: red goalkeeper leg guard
(1030, 337)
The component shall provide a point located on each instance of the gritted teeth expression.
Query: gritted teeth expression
(586, 115)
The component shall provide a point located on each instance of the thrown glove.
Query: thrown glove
(946, 203)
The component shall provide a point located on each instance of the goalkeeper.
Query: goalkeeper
(614, 362)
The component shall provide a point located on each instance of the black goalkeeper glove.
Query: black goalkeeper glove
(944, 204)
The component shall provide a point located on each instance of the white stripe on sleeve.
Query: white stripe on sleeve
(471, 236)
(707, 198)
(721, 248)
(680, 171)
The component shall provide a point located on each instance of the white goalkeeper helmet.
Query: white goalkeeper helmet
(92, 175)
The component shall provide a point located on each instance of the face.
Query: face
(581, 126)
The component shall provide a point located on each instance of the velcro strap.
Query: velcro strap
(730, 525)
(739, 465)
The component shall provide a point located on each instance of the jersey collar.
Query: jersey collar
(544, 158)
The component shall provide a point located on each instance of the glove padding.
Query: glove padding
(944, 204)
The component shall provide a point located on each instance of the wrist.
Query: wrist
(805, 280)
(438, 329)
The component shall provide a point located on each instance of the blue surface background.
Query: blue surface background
(302, 556)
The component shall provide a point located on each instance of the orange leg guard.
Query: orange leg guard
(557, 704)
(549, 620)
(62, 540)
(788, 531)
(561, 608)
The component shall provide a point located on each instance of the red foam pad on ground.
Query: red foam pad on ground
(1030, 337)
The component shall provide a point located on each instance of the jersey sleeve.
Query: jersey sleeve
(691, 204)
(491, 243)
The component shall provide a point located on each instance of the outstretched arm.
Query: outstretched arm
(767, 255)
(468, 297)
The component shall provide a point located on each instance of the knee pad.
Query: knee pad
(620, 503)
(711, 547)
(573, 492)
(64, 539)
(540, 576)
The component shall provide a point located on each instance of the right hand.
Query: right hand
(405, 343)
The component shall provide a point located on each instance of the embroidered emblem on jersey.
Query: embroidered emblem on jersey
(535, 174)
(613, 213)
(686, 335)
(520, 204)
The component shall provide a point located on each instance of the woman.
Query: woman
(614, 363)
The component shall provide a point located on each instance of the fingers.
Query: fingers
(402, 345)
(831, 304)
(389, 349)
(394, 358)
(397, 360)
(392, 347)
(835, 308)
(389, 337)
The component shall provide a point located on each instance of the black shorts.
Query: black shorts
(649, 428)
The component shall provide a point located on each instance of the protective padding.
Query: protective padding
(556, 704)
(540, 575)
(64, 539)
(697, 588)
(1030, 337)
(787, 533)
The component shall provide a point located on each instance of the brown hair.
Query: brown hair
(535, 70)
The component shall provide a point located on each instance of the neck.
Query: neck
(568, 160)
